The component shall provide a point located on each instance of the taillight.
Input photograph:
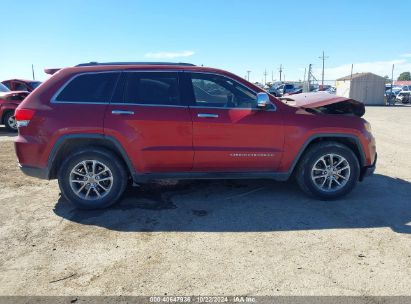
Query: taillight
(23, 116)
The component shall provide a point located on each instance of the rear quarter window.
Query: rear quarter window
(89, 88)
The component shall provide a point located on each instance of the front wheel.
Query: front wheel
(328, 170)
(92, 178)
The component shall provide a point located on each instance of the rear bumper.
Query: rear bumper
(369, 170)
(42, 173)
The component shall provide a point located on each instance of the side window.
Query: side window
(89, 88)
(148, 88)
(218, 91)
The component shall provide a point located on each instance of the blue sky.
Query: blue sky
(235, 35)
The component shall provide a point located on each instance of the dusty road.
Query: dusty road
(214, 238)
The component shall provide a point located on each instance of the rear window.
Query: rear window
(3, 88)
(90, 88)
(148, 88)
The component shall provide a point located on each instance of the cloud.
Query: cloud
(408, 55)
(381, 68)
(162, 55)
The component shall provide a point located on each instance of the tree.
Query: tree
(404, 76)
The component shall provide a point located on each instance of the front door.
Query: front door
(230, 134)
(148, 116)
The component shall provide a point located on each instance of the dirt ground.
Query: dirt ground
(214, 237)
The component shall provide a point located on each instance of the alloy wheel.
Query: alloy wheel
(12, 123)
(330, 172)
(91, 180)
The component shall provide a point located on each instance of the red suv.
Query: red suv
(96, 127)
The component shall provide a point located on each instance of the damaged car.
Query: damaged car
(98, 127)
(9, 100)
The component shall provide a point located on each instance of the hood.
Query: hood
(325, 103)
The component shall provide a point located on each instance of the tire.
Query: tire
(10, 122)
(311, 168)
(109, 181)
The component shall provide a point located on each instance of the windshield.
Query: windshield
(35, 84)
(3, 88)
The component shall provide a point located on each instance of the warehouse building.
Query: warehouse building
(365, 87)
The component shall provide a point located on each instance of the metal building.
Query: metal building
(365, 87)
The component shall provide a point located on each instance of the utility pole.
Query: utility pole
(392, 82)
(248, 75)
(352, 67)
(272, 76)
(307, 85)
(323, 57)
(32, 71)
(305, 71)
(281, 70)
(265, 76)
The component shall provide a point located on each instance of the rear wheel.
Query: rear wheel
(328, 171)
(10, 122)
(92, 179)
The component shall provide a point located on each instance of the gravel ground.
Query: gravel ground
(214, 237)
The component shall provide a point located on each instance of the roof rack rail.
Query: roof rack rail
(134, 63)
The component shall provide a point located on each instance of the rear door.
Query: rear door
(148, 116)
(230, 134)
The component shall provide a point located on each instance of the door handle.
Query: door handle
(121, 112)
(206, 115)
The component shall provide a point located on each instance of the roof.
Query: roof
(123, 65)
(65, 73)
(94, 63)
(357, 75)
(22, 80)
(402, 82)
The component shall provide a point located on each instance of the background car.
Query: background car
(296, 91)
(391, 95)
(280, 90)
(21, 84)
(9, 100)
(403, 97)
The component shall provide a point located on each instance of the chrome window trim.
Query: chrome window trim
(231, 108)
(236, 81)
(53, 98)
(147, 105)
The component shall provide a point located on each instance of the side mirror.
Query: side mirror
(263, 100)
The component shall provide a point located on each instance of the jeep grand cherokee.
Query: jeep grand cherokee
(98, 126)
